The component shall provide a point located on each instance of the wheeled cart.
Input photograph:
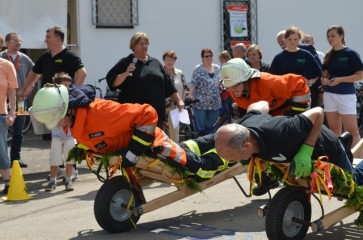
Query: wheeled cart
(288, 213)
(120, 201)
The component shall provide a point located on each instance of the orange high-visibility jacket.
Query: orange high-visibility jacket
(276, 90)
(107, 126)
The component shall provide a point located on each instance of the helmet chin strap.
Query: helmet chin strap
(61, 101)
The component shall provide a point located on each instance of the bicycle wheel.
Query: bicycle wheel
(186, 133)
(27, 126)
(10, 135)
(221, 120)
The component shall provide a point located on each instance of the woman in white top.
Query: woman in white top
(178, 78)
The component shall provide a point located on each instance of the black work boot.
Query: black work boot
(266, 184)
(347, 139)
(21, 164)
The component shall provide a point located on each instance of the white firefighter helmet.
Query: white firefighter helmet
(236, 71)
(50, 105)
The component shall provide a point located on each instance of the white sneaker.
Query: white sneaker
(51, 186)
(74, 174)
(60, 174)
(69, 186)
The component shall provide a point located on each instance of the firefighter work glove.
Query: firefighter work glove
(126, 163)
(126, 158)
(301, 164)
(140, 142)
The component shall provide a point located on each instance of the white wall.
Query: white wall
(311, 16)
(31, 19)
(185, 26)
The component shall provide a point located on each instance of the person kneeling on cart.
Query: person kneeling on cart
(106, 126)
(298, 140)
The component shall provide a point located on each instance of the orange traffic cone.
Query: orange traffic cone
(17, 189)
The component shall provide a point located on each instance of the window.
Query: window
(114, 13)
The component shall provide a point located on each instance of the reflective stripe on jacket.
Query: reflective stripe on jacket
(171, 149)
(209, 161)
(211, 164)
(193, 146)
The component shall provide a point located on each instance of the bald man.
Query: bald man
(280, 38)
(297, 140)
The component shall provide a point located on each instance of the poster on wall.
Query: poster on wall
(238, 20)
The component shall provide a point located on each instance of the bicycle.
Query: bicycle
(26, 128)
(226, 115)
(110, 95)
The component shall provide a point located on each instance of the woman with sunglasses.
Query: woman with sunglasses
(204, 86)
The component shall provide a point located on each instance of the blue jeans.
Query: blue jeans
(345, 164)
(4, 157)
(204, 118)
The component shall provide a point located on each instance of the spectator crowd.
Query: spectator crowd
(298, 78)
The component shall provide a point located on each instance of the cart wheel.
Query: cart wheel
(107, 207)
(288, 203)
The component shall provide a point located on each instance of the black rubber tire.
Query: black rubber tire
(27, 126)
(107, 207)
(186, 132)
(222, 121)
(9, 136)
(289, 202)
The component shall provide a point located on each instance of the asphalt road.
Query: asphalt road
(221, 212)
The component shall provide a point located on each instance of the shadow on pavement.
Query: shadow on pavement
(338, 232)
(36, 183)
(36, 143)
(193, 225)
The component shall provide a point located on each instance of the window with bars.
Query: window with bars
(227, 39)
(115, 13)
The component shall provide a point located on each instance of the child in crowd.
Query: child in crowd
(61, 144)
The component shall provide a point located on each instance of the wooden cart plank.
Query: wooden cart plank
(332, 218)
(357, 148)
(186, 191)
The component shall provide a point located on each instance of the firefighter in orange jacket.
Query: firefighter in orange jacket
(106, 126)
(286, 94)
